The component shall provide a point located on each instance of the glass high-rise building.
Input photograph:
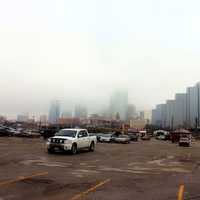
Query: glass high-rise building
(183, 112)
(54, 112)
(80, 111)
(119, 104)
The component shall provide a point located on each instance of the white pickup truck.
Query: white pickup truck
(71, 140)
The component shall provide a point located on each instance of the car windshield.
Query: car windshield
(123, 136)
(68, 133)
(130, 133)
(107, 135)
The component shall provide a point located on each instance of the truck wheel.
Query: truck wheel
(74, 149)
(92, 147)
(50, 151)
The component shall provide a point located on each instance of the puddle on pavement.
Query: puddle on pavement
(132, 171)
(174, 169)
(168, 164)
(44, 162)
(86, 171)
(134, 163)
(80, 173)
(158, 162)
(83, 164)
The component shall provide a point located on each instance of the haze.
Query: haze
(82, 50)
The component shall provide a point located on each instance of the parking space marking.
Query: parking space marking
(22, 178)
(92, 189)
(180, 192)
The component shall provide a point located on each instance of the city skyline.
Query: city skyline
(182, 111)
(69, 108)
(105, 108)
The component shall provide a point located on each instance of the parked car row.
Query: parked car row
(118, 137)
(181, 136)
(19, 132)
(113, 137)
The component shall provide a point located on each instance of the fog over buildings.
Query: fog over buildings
(182, 111)
(80, 52)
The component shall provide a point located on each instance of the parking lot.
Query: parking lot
(139, 170)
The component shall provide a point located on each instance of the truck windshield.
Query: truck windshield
(185, 136)
(68, 133)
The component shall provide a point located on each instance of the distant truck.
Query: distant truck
(181, 136)
(185, 140)
(144, 135)
(162, 135)
(71, 140)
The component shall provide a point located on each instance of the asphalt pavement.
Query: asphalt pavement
(143, 170)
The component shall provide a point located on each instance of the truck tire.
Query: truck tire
(50, 151)
(92, 147)
(74, 149)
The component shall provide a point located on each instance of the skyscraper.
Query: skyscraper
(146, 115)
(54, 112)
(193, 106)
(67, 113)
(158, 115)
(131, 112)
(119, 104)
(170, 104)
(180, 110)
(23, 117)
(43, 119)
(80, 111)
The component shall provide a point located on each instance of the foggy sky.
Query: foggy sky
(80, 51)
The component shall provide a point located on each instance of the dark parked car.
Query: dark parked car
(48, 132)
(5, 131)
(133, 136)
(145, 135)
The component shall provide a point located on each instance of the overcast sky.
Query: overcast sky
(82, 50)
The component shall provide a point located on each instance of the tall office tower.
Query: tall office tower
(193, 106)
(67, 114)
(170, 104)
(43, 119)
(23, 117)
(131, 112)
(154, 116)
(198, 104)
(54, 112)
(146, 115)
(80, 111)
(119, 104)
(159, 115)
(180, 111)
